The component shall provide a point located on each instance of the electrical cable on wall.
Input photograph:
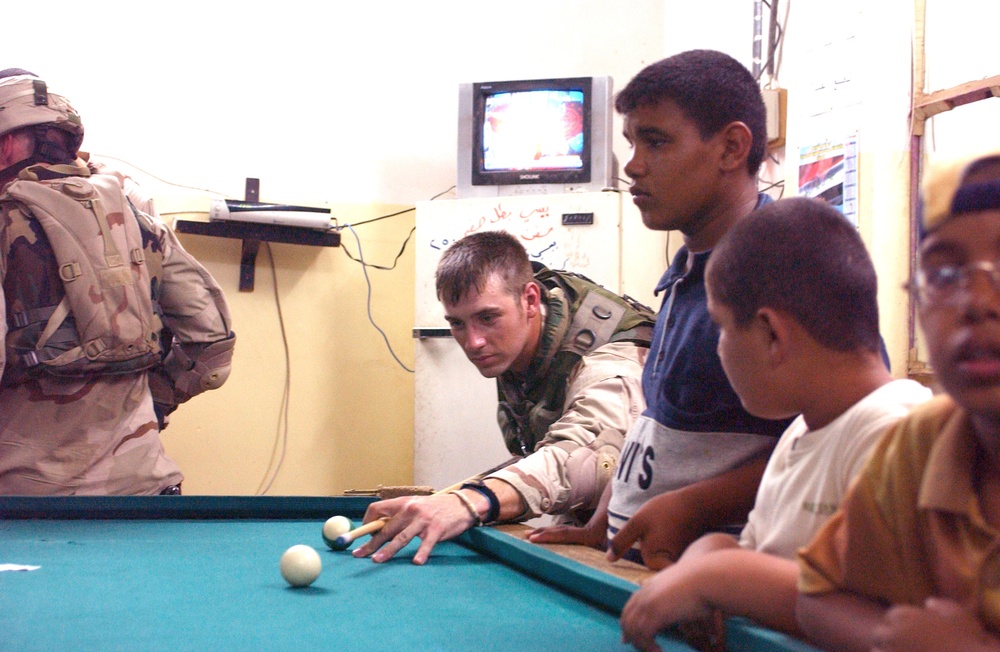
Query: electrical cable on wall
(382, 217)
(400, 212)
(368, 303)
(775, 41)
(359, 259)
(381, 267)
(775, 184)
(153, 176)
(770, 67)
(365, 265)
(281, 435)
(278, 452)
(666, 244)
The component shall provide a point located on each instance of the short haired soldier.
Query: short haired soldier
(108, 323)
(567, 355)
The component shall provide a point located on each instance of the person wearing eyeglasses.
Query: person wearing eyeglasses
(911, 561)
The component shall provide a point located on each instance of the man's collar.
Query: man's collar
(555, 307)
(46, 171)
(948, 481)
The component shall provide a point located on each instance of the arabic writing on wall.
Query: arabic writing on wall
(537, 229)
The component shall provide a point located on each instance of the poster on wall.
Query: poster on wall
(828, 171)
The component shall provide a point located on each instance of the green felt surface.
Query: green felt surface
(214, 584)
(201, 573)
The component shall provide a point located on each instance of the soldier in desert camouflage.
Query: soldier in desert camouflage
(109, 324)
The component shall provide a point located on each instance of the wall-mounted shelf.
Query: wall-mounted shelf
(253, 233)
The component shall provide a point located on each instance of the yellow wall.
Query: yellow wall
(350, 417)
(866, 55)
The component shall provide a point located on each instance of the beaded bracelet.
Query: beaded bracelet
(476, 521)
(494, 512)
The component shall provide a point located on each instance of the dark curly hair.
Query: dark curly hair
(803, 257)
(711, 88)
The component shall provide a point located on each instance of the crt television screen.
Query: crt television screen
(534, 136)
(533, 130)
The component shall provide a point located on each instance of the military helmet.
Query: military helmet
(25, 101)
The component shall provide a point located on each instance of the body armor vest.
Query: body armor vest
(81, 277)
(581, 316)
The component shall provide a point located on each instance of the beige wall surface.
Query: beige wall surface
(864, 52)
(350, 417)
(847, 72)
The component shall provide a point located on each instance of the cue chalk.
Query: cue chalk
(346, 539)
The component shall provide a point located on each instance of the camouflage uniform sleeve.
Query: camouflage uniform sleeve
(4, 248)
(578, 455)
(196, 319)
(135, 193)
(194, 307)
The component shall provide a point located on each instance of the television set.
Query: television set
(539, 136)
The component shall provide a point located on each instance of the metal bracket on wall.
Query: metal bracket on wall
(253, 233)
(248, 255)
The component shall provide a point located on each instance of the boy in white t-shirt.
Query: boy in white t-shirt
(793, 291)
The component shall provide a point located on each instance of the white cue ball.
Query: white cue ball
(335, 526)
(300, 565)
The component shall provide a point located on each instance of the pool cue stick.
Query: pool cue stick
(372, 527)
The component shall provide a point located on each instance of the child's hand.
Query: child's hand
(664, 526)
(938, 625)
(594, 536)
(671, 596)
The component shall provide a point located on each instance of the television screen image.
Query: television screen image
(535, 136)
(527, 130)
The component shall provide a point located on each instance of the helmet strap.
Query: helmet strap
(10, 172)
(49, 151)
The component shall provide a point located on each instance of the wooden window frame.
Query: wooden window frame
(925, 106)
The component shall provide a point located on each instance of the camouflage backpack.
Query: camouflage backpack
(105, 322)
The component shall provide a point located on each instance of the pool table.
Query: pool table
(201, 573)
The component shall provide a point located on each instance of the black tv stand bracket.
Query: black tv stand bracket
(253, 233)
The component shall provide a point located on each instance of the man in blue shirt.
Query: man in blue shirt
(693, 460)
